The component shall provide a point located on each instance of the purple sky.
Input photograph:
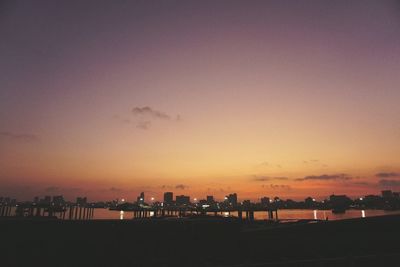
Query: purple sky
(137, 95)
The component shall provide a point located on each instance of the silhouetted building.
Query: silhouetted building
(81, 200)
(339, 202)
(265, 201)
(310, 202)
(46, 200)
(140, 198)
(246, 203)
(232, 199)
(210, 200)
(387, 194)
(182, 200)
(168, 198)
(58, 200)
(35, 200)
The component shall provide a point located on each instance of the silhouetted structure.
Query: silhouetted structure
(231, 199)
(182, 200)
(168, 198)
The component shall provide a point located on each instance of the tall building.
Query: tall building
(182, 200)
(210, 200)
(232, 199)
(140, 198)
(168, 197)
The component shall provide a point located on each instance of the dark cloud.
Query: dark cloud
(181, 186)
(325, 177)
(362, 183)
(148, 111)
(387, 174)
(19, 137)
(267, 178)
(279, 186)
(144, 125)
(389, 183)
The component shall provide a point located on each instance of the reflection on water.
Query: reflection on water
(282, 214)
(104, 214)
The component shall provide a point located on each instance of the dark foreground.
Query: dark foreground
(357, 242)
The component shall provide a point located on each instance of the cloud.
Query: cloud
(267, 178)
(325, 177)
(148, 111)
(385, 182)
(387, 174)
(144, 125)
(362, 184)
(19, 137)
(181, 186)
(279, 186)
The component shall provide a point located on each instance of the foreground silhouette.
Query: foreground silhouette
(199, 242)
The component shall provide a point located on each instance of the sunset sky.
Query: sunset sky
(106, 99)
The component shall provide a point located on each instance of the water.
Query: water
(284, 214)
(259, 215)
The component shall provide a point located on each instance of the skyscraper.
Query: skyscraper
(168, 197)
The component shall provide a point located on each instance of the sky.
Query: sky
(106, 99)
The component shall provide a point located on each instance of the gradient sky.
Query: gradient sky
(263, 98)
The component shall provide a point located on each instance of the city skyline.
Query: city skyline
(202, 98)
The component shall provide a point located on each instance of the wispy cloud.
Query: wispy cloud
(144, 125)
(148, 111)
(389, 183)
(19, 137)
(258, 178)
(325, 177)
(278, 186)
(387, 174)
(181, 186)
